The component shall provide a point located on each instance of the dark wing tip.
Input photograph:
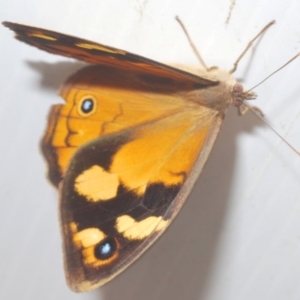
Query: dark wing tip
(19, 29)
(11, 25)
(6, 23)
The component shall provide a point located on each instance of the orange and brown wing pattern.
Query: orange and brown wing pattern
(122, 190)
(125, 149)
(91, 52)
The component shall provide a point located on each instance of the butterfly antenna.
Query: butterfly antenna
(191, 42)
(293, 58)
(249, 45)
(259, 115)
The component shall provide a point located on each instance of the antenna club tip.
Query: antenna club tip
(178, 19)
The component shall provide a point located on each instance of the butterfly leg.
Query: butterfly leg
(243, 109)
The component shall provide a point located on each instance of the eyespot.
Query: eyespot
(106, 249)
(87, 106)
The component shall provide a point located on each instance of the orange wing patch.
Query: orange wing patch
(42, 36)
(164, 151)
(101, 48)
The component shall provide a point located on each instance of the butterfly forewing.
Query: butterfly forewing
(91, 52)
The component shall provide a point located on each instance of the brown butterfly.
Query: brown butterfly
(125, 149)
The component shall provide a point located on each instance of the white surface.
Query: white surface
(238, 236)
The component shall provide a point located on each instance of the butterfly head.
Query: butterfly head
(239, 95)
(229, 83)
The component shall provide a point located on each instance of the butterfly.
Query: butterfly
(125, 149)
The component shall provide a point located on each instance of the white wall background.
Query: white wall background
(238, 237)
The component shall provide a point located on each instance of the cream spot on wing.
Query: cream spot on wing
(88, 237)
(95, 184)
(98, 47)
(162, 225)
(43, 36)
(73, 227)
(134, 230)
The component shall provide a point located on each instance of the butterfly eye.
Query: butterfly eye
(87, 106)
(106, 249)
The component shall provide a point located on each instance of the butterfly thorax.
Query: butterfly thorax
(227, 91)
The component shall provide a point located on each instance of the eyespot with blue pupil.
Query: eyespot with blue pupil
(106, 249)
(87, 105)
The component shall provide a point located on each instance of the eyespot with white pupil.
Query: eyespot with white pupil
(106, 249)
(87, 106)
